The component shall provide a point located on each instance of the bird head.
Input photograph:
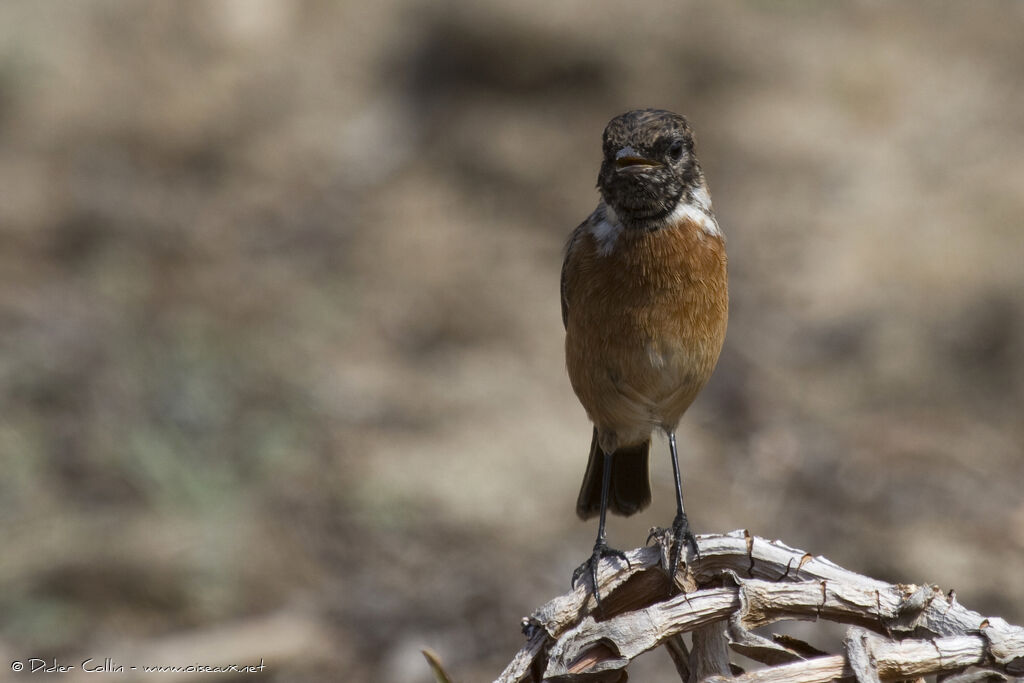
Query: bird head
(649, 166)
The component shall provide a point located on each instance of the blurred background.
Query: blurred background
(281, 366)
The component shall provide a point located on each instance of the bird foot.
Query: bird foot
(674, 537)
(601, 550)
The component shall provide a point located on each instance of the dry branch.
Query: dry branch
(740, 583)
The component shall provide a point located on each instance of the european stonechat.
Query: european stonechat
(645, 302)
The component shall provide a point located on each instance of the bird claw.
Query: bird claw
(601, 550)
(658, 534)
(675, 536)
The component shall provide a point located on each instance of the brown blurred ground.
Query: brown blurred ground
(280, 324)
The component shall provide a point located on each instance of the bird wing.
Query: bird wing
(573, 239)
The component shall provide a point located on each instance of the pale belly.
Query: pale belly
(631, 384)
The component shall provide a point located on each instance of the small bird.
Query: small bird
(645, 304)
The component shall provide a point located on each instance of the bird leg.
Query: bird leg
(601, 549)
(679, 532)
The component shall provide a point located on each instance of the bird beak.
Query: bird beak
(629, 158)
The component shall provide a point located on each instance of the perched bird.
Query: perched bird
(645, 303)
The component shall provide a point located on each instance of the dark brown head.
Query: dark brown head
(649, 166)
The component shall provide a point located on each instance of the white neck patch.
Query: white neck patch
(698, 211)
(606, 227)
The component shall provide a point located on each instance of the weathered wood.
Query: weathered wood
(1006, 643)
(680, 656)
(523, 661)
(710, 654)
(861, 656)
(820, 670)
(633, 633)
(740, 583)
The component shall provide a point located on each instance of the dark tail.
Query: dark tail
(630, 489)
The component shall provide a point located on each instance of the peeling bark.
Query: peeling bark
(742, 582)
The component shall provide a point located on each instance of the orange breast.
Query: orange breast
(645, 325)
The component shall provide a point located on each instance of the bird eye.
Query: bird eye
(675, 152)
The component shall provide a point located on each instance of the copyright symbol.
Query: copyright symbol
(17, 666)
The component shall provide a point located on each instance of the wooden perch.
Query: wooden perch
(741, 583)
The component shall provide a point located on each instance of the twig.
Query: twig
(741, 583)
